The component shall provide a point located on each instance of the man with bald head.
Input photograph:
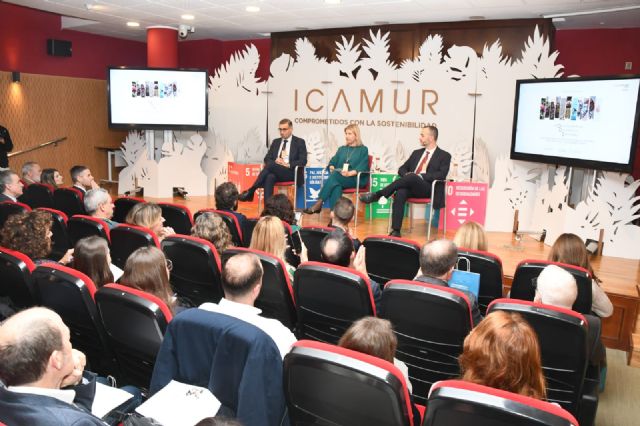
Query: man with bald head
(37, 363)
(241, 283)
(437, 260)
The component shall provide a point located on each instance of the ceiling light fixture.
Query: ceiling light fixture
(133, 24)
(188, 17)
(592, 12)
(252, 9)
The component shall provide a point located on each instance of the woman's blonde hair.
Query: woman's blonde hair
(356, 131)
(211, 227)
(268, 236)
(471, 235)
(144, 214)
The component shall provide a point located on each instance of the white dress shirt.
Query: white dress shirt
(281, 335)
(424, 169)
(284, 151)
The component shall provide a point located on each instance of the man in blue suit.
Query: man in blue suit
(285, 153)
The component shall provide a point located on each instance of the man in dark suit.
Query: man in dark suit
(416, 176)
(285, 153)
(6, 145)
(82, 178)
(10, 186)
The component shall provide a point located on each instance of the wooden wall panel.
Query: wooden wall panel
(42, 108)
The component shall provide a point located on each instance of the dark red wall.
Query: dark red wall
(24, 33)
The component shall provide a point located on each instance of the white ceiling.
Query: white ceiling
(228, 19)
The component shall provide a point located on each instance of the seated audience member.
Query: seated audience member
(437, 260)
(10, 186)
(148, 270)
(30, 234)
(557, 287)
(42, 373)
(31, 172)
(471, 236)
(218, 421)
(570, 249)
(149, 215)
(52, 177)
(241, 283)
(502, 352)
(374, 336)
(341, 216)
(268, 236)
(337, 249)
(211, 227)
(227, 200)
(98, 204)
(82, 178)
(280, 207)
(92, 258)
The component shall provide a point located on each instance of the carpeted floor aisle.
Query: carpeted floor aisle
(620, 402)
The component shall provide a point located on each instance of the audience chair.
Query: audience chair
(16, 281)
(81, 226)
(391, 258)
(525, 277)
(122, 207)
(247, 230)
(276, 296)
(38, 195)
(564, 343)
(125, 239)
(425, 201)
(70, 293)
(9, 208)
(178, 217)
(69, 200)
(60, 241)
(232, 223)
(358, 189)
(239, 363)
(196, 274)
(430, 322)
(312, 237)
(326, 384)
(489, 266)
(459, 403)
(135, 322)
(329, 299)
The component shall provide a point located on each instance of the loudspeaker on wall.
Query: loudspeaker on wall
(58, 47)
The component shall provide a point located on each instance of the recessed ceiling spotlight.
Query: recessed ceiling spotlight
(601, 22)
(477, 18)
(188, 17)
(252, 9)
(558, 20)
(264, 34)
(381, 23)
(332, 1)
(133, 24)
(93, 6)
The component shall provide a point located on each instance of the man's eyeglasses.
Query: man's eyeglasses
(283, 129)
(169, 265)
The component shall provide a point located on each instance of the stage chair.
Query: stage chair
(60, 241)
(9, 208)
(70, 293)
(329, 299)
(564, 343)
(284, 184)
(326, 384)
(81, 226)
(358, 189)
(391, 258)
(239, 363)
(178, 217)
(17, 284)
(431, 323)
(527, 271)
(135, 323)
(489, 266)
(425, 201)
(69, 201)
(312, 237)
(122, 207)
(196, 274)
(459, 403)
(38, 195)
(235, 229)
(125, 239)
(276, 296)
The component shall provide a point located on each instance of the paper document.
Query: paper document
(179, 404)
(107, 398)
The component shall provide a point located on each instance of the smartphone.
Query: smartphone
(296, 239)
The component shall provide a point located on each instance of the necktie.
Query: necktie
(284, 147)
(423, 162)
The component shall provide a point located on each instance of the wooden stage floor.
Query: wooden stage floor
(621, 277)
